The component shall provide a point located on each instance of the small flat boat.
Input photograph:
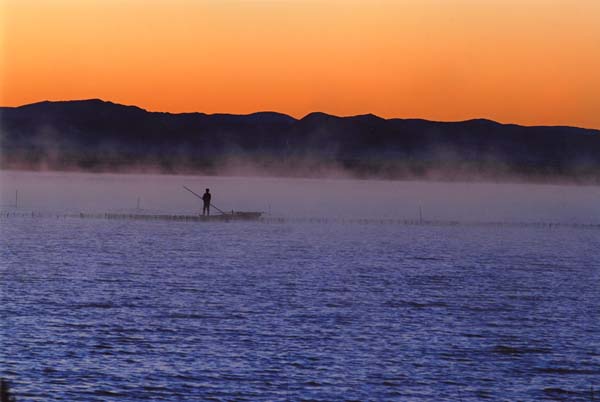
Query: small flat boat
(225, 216)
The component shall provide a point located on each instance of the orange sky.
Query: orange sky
(522, 61)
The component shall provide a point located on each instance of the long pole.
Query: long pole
(199, 196)
(16, 198)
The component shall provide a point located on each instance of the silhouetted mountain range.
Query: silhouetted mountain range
(104, 136)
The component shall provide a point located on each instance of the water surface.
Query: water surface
(135, 310)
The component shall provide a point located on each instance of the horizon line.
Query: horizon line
(303, 117)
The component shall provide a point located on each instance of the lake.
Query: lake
(291, 309)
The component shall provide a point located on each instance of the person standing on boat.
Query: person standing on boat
(206, 198)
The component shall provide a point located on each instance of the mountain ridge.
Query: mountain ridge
(100, 135)
(260, 112)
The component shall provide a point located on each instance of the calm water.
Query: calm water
(131, 310)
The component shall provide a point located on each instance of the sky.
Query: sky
(531, 62)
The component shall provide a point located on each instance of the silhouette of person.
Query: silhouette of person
(206, 198)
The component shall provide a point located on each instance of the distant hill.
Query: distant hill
(96, 135)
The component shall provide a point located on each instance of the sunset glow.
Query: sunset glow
(527, 62)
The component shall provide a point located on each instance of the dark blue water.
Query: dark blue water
(98, 310)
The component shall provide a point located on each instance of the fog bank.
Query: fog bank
(285, 197)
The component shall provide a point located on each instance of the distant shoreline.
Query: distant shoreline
(98, 136)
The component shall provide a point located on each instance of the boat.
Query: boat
(226, 216)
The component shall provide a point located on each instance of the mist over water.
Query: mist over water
(283, 197)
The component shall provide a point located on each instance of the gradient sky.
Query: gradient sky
(522, 61)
